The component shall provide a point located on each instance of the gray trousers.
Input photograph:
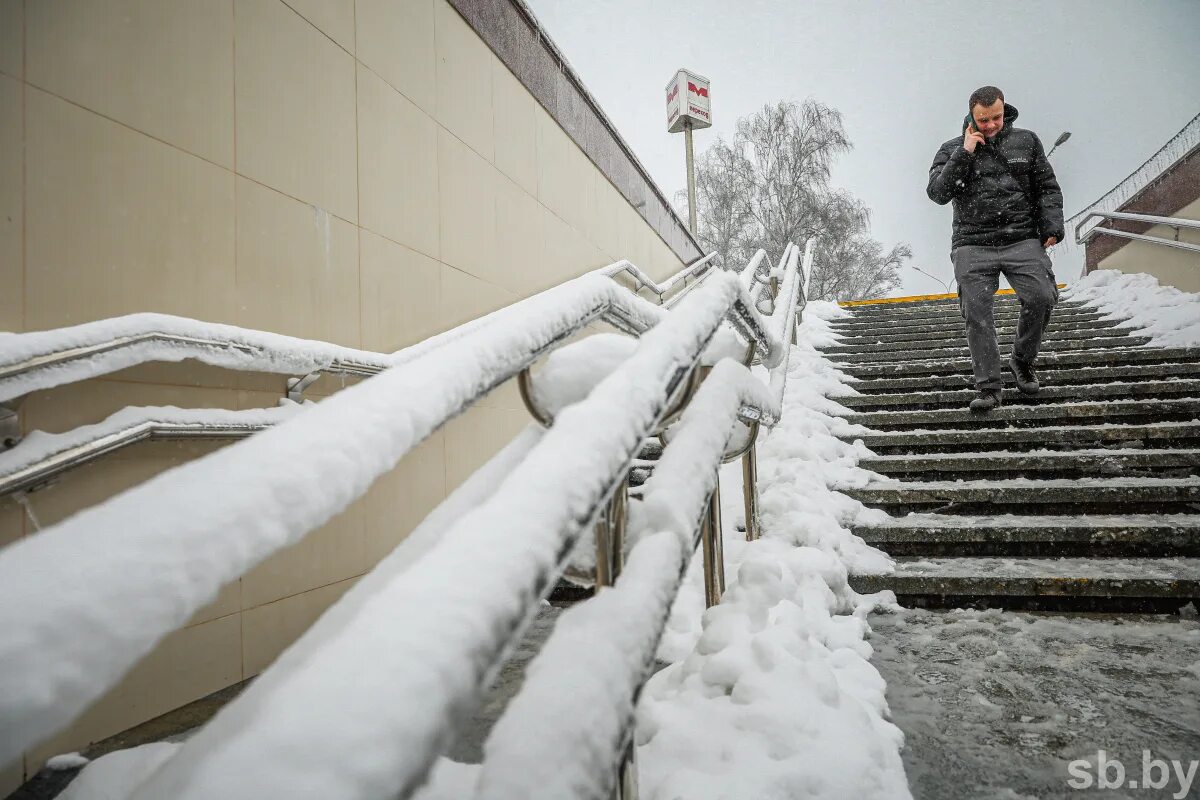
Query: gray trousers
(1028, 269)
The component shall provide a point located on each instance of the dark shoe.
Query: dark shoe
(987, 400)
(1025, 377)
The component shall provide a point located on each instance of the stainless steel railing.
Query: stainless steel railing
(42, 688)
(1174, 222)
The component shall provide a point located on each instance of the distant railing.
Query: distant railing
(1174, 222)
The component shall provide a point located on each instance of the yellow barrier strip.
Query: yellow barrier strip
(917, 298)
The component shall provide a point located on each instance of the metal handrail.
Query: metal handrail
(468, 363)
(697, 268)
(1174, 222)
(588, 438)
(39, 460)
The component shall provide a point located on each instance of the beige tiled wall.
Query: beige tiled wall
(364, 172)
(1169, 265)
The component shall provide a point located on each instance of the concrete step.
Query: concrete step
(1000, 320)
(1048, 374)
(853, 343)
(992, 496)
(1178, 462)
(1130, 584)
(1084, 535)
(950, 304)
(950, 366)
(1069, 437)
(1047, 414)
(960, 397)
(903, 354)
(1073, 322)
(1054, 340)
(1000, 311)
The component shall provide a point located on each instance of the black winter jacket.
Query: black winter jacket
(995, 204)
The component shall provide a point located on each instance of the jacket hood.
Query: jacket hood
(1010, 116)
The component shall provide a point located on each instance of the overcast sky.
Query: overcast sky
(1122, 76)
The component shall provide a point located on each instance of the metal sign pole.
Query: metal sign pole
(691, 177)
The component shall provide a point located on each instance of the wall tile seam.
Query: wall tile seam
(232, 172)
(357, 176)
(125, 125)
(280, 599)
(235, 172)
(339, 45)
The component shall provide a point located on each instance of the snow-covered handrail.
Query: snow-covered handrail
(45, 359)
(564, 735)
(792, 291)
(96, 562)
(643, 280)
(1173, 222)
(439, 657)
(41, 456)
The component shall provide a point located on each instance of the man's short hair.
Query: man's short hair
(984, 96)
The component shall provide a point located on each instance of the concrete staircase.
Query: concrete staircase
(1083, 497)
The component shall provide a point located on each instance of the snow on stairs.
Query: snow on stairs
(1083, 497)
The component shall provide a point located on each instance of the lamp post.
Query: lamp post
(935, 277)
(688, 108)
(1062, 137)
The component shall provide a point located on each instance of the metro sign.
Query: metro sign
(688, 102)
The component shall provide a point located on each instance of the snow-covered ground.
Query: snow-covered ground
(999, 704)
(1169, 316)
(771, 693)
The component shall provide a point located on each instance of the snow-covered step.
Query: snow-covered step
(958, 334)
(945, 366)
(891, 355)
(912, 349)
(1147, 584)
(1099, 495)
(950, 305)
(1086, 534)
(959, 398)
(1083, 413)
(851, 327)
(1010, 312)
(1060, 463)
(1065, 437)
(1050, 375)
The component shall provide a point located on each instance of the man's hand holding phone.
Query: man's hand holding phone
(972, 138)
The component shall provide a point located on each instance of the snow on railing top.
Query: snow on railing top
(792, 291)
(42, 455)
(139, 565)
(644, 280)
(45, 359)
(563, 734)
(434, 659)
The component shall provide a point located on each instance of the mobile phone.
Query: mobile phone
(974, 128)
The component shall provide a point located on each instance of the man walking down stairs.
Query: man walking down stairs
(1083, 498)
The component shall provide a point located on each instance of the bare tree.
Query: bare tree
(770, 186)
(849, 264)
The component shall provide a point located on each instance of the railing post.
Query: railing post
(610, 537)
(10, 425)
(750, 491)
(714, 554)
(626, 788)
